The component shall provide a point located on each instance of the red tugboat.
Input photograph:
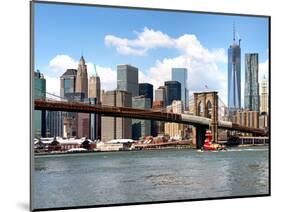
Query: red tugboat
(209, 146)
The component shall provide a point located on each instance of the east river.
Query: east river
(145, 176)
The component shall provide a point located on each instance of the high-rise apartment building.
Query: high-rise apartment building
(251, 93)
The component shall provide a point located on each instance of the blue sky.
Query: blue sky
(64, 30)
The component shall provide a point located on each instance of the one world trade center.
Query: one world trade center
(234, 75)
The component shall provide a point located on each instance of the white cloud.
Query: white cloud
(60, 63)
(148, 39)
(202, 63)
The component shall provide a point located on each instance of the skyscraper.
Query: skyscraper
(157, 126)
(180, 75)
(67, 91)
(173, 91)
(39, 93)
(175, 130)
(95, 121)
(264, 96)
(82, 78)
(68, 82)
(146, 90)
(54, 124)
(251, 94)
(141, 128)
(234, 75)
(113, 127)
(161, 94)
(95, 98)
(95, 87)
(128, 79)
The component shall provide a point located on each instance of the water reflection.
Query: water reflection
(143, 176)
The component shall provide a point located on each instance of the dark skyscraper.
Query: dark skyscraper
(173, 91)
(234, 75)
(146, 90)
(251, 99)
(68, 82)
(180, 75)
(141, 128)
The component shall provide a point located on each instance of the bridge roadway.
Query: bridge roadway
(125, 112)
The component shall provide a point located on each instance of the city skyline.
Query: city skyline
(127, 46)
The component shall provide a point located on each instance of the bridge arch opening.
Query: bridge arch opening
(209, 109)
(200, 109)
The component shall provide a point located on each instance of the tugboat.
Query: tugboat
(209, 146)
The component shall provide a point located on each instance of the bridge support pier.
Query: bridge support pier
(199, 136)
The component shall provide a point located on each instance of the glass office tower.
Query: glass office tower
(128, 79)
(173, 91)
(180, 75)
(39, 116)
(234, 75)
(146, 89)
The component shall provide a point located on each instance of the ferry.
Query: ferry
(209, 145)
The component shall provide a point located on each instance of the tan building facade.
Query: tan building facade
(82, 78)
(95, 88)
(247, 118)
(175, 130)
(83, 125)
(113, 127)
(158, 126)
(264, 96)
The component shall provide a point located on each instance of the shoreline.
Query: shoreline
(136, 150)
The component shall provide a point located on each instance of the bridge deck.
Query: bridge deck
(149, 114)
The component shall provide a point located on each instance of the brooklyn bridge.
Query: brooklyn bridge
(205, 114)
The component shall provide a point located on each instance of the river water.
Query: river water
(145, 176)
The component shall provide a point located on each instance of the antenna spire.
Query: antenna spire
(96, 73)
(234, 32)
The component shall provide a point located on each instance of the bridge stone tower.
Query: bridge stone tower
(206, 105)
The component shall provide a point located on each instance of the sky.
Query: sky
(152, 41)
